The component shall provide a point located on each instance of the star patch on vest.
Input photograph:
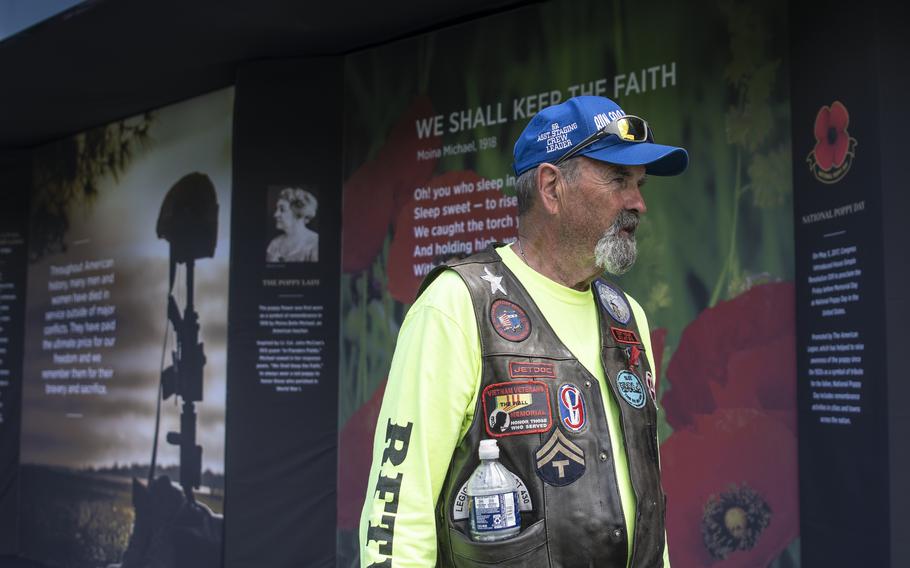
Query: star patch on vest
(614, 302)
(559, 460)
(517, 407)
(494, 280)
(510, 321)
(631, 389)
(572, 413)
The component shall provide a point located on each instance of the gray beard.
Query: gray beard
(615, 252)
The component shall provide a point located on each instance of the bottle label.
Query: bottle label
(496, 512)
(461, 505)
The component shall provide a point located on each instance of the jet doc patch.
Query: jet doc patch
(517, 407)
(509, 320)
(559, 460)
(524, 370)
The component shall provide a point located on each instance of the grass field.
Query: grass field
(76, 519)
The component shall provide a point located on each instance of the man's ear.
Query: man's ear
(548, 182)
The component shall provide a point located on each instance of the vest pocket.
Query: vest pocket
(528, 548)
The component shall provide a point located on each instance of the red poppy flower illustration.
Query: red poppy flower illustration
(738, 354)
(436, 228)
(355, 449)
(832, 139)
(731, 487)
(835, 149)
(375, 192)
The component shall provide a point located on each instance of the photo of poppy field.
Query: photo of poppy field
(716, 261)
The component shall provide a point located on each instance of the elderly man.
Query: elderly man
(529, 344)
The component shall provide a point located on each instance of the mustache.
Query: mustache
(625, 220)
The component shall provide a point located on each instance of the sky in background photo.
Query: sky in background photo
(79, 431)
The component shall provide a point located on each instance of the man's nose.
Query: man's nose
(636, 201)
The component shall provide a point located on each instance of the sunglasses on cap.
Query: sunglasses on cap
(629, 128)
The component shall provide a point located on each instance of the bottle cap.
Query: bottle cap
(488, 450)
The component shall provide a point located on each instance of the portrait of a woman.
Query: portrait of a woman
(295, 208)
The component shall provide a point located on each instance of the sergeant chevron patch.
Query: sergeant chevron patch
(559, 461)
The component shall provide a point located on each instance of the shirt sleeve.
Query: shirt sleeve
(426, 410)
(642, 320)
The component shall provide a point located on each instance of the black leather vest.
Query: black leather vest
(546, 412)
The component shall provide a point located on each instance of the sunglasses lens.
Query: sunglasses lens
(632, 129)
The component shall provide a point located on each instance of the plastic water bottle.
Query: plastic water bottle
(492, 498)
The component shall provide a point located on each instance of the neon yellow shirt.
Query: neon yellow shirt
(433, 385)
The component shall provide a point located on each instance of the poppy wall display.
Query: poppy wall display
(849, 290)
(15, 177)
(428, 152)
(126, 318)
(282, 398)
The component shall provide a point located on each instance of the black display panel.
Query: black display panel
(841, 371)
(15, 179)
(283, 355)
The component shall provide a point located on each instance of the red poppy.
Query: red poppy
(831, 138)
(738, 354)
(355, 455)
(375, 192)
(731, 489)
(442, 230)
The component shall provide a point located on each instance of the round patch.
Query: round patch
(614, 302)
(572, 407)
(510, 321)
(631, 389)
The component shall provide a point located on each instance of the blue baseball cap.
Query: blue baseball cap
(555, 130)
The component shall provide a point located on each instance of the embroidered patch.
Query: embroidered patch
(510, 321)
(624, 336)
(631, 389)
(614, 302)
(460, 506)
(495, 281)
(518, 407)
(652, 387)
(559, 460)
(572, 413)
(525, 370)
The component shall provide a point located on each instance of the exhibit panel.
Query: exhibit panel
(428, 153)
(850, 235)
(15, 181)
(126, 306)
(283, 348)
(199, 303)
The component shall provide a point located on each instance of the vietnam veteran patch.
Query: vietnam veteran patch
(517, 407)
